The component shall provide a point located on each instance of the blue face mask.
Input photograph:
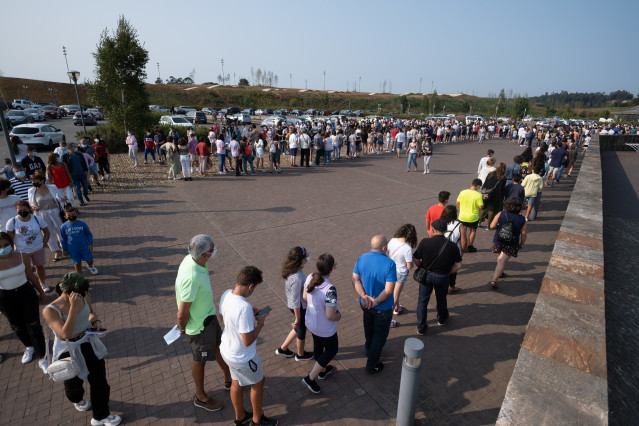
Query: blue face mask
(75, 149)
(5, 251)
(20, 174)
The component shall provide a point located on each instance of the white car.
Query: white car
(36, 113)
(175, 120)
(22, 104)
(158, 108)
(39, 134)
(273, 121)
(242, 118)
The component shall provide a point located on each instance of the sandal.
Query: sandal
(493, 284)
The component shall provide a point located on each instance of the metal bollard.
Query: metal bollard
(409, 385)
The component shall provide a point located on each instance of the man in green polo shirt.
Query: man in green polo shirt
(196, 317)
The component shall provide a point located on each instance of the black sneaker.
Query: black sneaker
(265, 421)
(443, 322)
(287, 353)
(311, 384)
(306, 357)
(86, 197)
(471, 249)
(329, 370)
(377, 369)
(248, 418)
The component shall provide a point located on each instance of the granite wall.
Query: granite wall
(560, 377)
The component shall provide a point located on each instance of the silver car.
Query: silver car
(39, 134)
(15, 117)
(36, 113)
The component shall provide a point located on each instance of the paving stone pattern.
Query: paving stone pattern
(141, 236)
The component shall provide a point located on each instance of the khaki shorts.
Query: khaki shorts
(38, 258)
(247, 373)
(204, 345)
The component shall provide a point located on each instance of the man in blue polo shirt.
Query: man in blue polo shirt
(374, 278)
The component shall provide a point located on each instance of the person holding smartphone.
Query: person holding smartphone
(70, 316)
(242, 326)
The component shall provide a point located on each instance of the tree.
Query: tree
(120, 67)
(521, 107)
(243, 82)
(158, 80)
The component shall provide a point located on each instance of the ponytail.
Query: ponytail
(325, 264)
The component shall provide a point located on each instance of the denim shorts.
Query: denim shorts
(401, 278)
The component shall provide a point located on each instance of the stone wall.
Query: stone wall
(560, 376)
(617, 142)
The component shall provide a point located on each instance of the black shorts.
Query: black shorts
(204, 345)
(300, 330)
(471, 225)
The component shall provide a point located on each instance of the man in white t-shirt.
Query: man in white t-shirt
(292, 146)
(400, 138)
(242, 325)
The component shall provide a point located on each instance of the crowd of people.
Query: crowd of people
(38, 208)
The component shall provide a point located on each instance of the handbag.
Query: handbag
(63, 369)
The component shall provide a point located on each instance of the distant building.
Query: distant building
(627, 115)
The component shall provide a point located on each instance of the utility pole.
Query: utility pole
(64, 52)
(420, 85)
(159, 76)
(234, 82)
(324, 80)
(222, 61)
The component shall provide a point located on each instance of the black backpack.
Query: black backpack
(505, 234)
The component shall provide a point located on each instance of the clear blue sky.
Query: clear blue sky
(465, 46)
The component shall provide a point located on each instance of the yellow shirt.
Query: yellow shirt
(532, 184)
(469, 203)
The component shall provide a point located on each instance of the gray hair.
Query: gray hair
(199, 245)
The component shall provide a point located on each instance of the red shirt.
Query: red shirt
(434, 213)
(202, 149)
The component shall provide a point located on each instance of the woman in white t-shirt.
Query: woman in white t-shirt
(7, 203)
(259, 154)
(322, 315)
(400, 249)
(30, 234)
(453, 233)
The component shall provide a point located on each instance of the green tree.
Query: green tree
(606, 114)
(243, 82)
(120, 66)
(521, 107)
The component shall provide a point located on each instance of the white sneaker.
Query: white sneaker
(108, 176)
(43, 364)
(112, 420)
(102, 178)
(28, 355)
(83, 405)
(94, 270)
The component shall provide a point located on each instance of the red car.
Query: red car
(51, 111)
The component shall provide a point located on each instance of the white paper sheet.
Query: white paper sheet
(172, 335)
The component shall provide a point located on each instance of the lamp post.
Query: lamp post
(51, 94)
(159, 76)
(26, 91)
(324, 80)
(222, 61)
(74, 75)
(64, 52)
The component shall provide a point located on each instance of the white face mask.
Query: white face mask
(308, 258)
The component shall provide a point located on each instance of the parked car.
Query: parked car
(210, 111)
(6, 105)
(310, 112)
(186, 109)
(96, 113)
(196, 117)
(249, 111)
(39, 134)
(36, 113)
(267, 111)
(242, 118)
(273, 120)
(280, 112)
(175, 120)
(72, 109)
(358, 113)
(43, 103)
(259, 112)
(15, 117)
(158, 108)
(22, 104)
(89, 120)
(296, 112)
(230, 110)
(51, 111)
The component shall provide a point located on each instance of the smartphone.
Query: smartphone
(264, 311)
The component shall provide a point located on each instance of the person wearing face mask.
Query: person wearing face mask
(19, 303)
(197, 318)
(374, 278)
(132, 143)
(70, 316)
(58, 175)
(32, 162)
(292, 272)
(20, 184)
(102, 157)
(77, 240)
(30, 234)
(44, 201)
(89, 154)
(79, 171)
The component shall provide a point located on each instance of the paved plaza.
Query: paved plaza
(141, 236)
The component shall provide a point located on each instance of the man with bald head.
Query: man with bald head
(374, 278)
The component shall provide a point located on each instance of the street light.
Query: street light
(324, 80)
(222, 61)
(51, 94)
(26, 91)
(64, 52)
(74, 75)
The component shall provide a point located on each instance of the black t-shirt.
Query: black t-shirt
(31, 165)
(428, 249)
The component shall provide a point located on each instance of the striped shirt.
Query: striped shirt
(21, 188)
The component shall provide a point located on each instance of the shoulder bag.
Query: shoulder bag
(62, 369)
(420, 273)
